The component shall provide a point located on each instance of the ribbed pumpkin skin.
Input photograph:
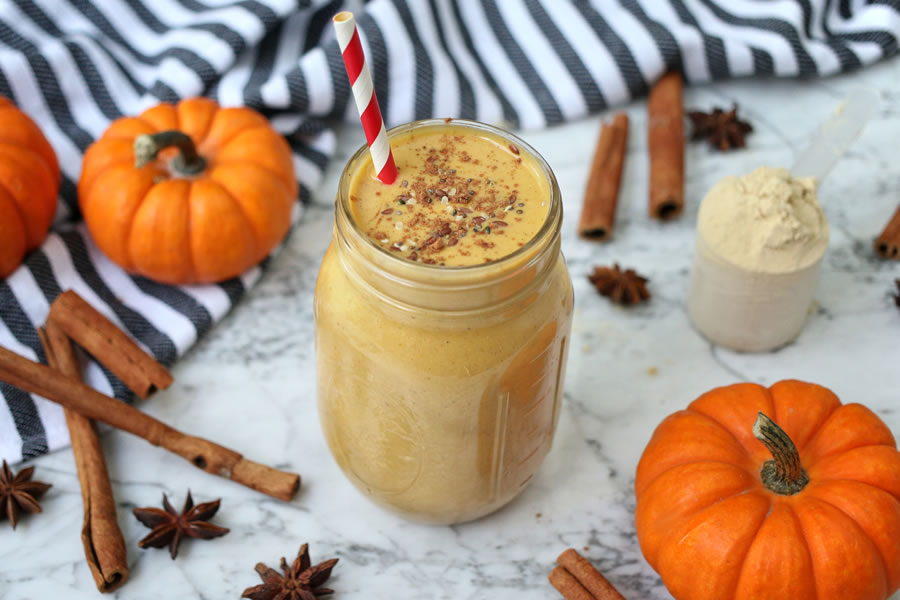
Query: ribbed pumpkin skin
(29, 186)
(710, 528)
(198, 229)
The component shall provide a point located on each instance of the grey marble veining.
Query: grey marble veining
(250, 385)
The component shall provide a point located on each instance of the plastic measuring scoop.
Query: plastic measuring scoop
(836, 135)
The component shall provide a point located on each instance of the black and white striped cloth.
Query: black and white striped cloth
(75, 65)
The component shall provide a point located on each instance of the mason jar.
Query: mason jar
(439, 388)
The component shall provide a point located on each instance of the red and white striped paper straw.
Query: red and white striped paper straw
(364, 94)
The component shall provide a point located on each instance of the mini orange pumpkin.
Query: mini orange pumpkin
(719, 518)
(29, 186)
(188, 193)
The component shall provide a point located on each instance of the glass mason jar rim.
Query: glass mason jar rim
(449, 289)
(554, 214)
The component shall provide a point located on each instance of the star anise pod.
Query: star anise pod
(299, 582)
(168, 527)
(722, 128)
(622, 287)
(18, 493)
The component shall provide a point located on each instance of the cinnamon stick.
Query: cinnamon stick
(583, 578)
(111, 346)
(601, 194)
(211, 457)
(104, 546)
(888, 243)
(665, 129)
(568, 586)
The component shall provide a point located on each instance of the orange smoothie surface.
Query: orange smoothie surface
(461, 197)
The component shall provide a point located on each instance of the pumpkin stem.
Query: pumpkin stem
(784, 474)
(187, 162)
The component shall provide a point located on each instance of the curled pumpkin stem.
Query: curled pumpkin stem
(784, 474)
(186, 163)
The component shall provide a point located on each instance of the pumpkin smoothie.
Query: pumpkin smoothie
(442, 311)
(460, 199)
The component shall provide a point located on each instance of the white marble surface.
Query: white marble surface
(250, 385)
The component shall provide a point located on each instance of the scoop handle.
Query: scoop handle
(836, 134)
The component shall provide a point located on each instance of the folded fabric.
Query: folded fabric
(76, 65)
